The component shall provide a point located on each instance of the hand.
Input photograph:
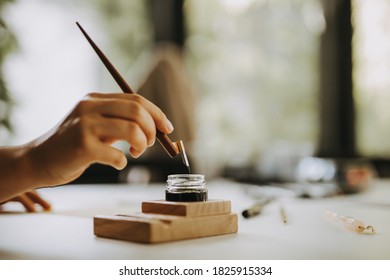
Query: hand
(29, 199)
(86, 135)
(82, 138)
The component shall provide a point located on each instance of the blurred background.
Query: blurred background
(251, 86)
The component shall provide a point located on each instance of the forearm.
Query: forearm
(16, 172)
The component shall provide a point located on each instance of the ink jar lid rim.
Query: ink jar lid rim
(188, 181)
(190, 176)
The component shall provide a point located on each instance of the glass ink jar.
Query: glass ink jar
(186, 188)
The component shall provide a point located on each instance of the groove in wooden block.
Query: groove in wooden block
(149, 228)
(188, 209)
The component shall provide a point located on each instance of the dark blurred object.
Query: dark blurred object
(313, 176)
(98, 174)
(382, 166)
(168, 21)
(337, 108)
(349, 175)
(151, 170)
(255, 209)
(246, 174)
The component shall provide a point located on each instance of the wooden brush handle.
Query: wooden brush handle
(169, 146)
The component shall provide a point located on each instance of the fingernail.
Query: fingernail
(135, 154)
(169, 126)
(122, 162)
(151, 142)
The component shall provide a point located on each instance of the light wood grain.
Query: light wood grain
(150, 228)
(187, 209)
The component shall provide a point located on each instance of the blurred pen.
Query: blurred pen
(256, 208)
(283, 215)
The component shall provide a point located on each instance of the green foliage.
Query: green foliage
(127, 24)
(7, 45)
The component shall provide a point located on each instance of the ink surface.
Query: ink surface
(186, 196)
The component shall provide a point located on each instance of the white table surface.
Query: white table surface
(67, 231)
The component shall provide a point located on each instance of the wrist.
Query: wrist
(26, 165)
(32, 161)
(17, 175)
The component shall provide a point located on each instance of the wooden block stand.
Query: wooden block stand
(163, 221)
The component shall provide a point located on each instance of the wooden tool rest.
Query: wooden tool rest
(162, 221)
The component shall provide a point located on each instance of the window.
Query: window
(256, 68)
(371, 45)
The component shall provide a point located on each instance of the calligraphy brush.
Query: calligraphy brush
(172, 148)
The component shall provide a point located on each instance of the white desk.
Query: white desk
(67, 232)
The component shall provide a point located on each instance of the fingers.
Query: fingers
(107, 130)
(109, 155)
(161, 121)
(26, 202)
(29, 199)
(34, 197)
(127, 117)
(126, 130)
